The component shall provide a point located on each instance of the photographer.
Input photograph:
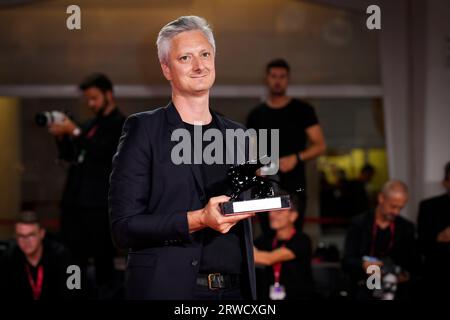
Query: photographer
(89, 148)
(381, 237)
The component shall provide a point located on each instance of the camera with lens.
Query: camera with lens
(67, 151)
(390, 273)
(48, 118)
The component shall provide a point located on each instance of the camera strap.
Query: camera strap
(92, 131)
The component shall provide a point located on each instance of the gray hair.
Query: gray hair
(175, 27)
(394, 186)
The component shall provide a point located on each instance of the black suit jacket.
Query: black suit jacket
(149, 198)
(359, 239)
(434, 217)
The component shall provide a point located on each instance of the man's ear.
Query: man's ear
(42, 233)
(109, 95)
(166, 71)
(380, 197)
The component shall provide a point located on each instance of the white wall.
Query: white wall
(415, 74)
(416, 86)
(437, 96)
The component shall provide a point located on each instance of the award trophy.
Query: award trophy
(242, 177)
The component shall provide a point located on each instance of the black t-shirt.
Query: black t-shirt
(383, 242)
(91, 156)
(296, 274)
(292, 122)
(221, 252)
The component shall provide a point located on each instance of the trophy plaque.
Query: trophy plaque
(243, 177)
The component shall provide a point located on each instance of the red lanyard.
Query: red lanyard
(277, 266)
(36, 287)
(374, 238)
(92, 132)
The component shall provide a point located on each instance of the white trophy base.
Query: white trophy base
(256, 205)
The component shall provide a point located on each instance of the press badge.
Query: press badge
(277, 292)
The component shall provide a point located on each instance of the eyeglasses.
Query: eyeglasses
(22, 237)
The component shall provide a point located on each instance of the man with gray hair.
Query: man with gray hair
(168, 215)
(381, 237)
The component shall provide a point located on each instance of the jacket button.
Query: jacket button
(194, 262)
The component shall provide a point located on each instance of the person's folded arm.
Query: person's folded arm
(130, 187)
(269, 258)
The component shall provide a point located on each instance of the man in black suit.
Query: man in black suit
(167, 213)
(434, 239)
(382, 237)
(89, 148)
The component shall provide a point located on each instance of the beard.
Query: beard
(277, 91)
(102, 109)
(389, 217)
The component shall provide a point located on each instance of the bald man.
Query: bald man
(382, 237)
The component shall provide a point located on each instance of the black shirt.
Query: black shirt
(434, 217)
(359, 243)
(296, 274)
(292, 122)
(14, 283)
(91, 156)
(221, 252)
(382, 242)
(401, 253)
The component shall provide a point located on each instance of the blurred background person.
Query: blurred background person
(297, 123)
(285, 258)
(355, 197)
(358, 193)
(434, 239)
(89, 148)
(382, 237)
(34, 266)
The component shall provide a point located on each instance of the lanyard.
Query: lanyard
(92, 132)
(277, 266)
(36, 287)
(374, 238)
